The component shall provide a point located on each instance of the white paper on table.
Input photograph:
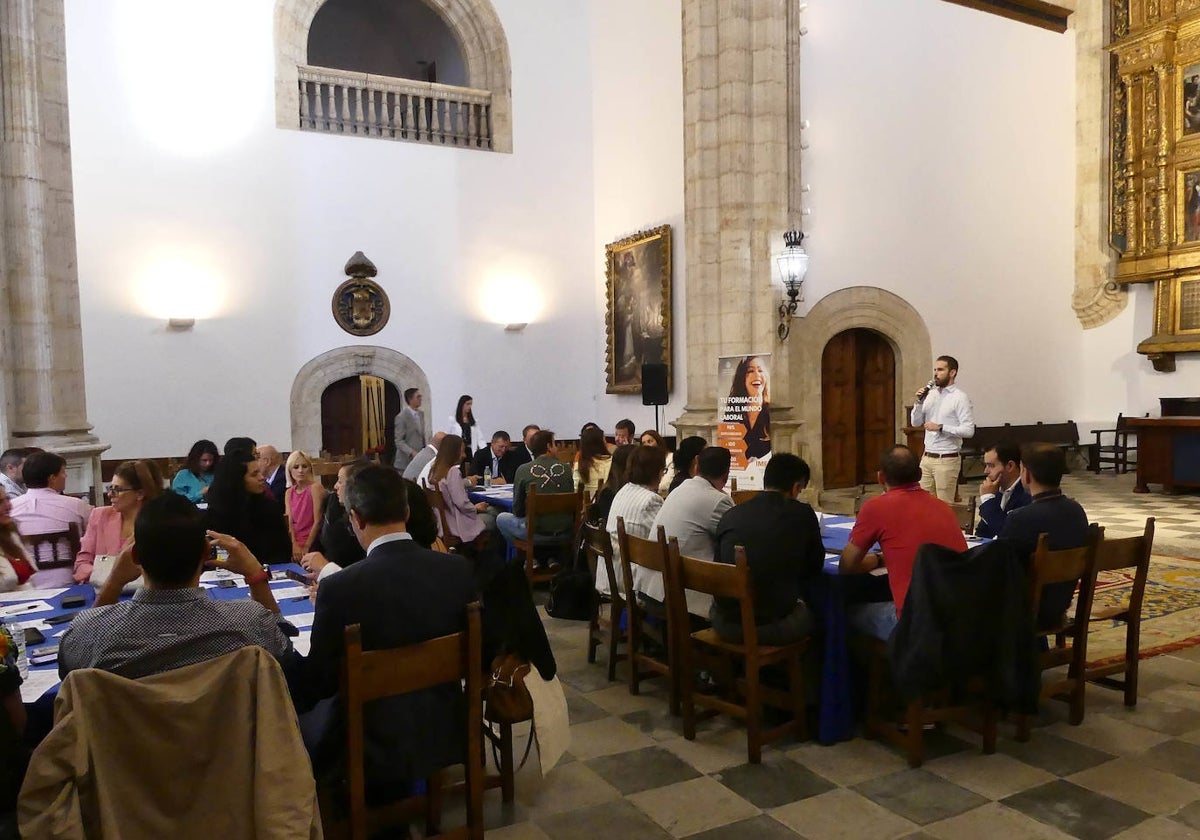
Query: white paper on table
(20, 609)
(30, 595)
(301, 643)
(217, 575)
(846, 525)
(34, 624)
(301, 620)
(37, 683)
(294, 591)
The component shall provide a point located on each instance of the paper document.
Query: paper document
(301, 642)
(301, 621)
(294, 591)
(31, 607)
(30, 595)
(38, 683)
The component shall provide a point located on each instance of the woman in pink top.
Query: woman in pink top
(465, 519)
(111, 528)
(304, 503)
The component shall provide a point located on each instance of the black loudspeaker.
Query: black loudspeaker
(654, 385)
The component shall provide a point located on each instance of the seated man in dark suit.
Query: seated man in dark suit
(782, 539)
(1063, 520)
(522, 453)
(401, 594)
(496, 458)
(1002, 490)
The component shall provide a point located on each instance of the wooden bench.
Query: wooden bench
(1063, 435)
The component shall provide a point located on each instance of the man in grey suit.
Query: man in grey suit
(410, 429)
(413, 471)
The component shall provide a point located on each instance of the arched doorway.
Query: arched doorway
(858, 405)
(342, 417)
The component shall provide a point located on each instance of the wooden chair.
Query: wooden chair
(1112, 555)
(652, 555)
(1116, 453)
(1049, 567)
(438, 503)
(545, 504)
(55, 550)
(746, 696)
(605, 623)
(965, 513)
(373, 675)
(740, 496)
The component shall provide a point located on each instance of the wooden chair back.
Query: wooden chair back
(599, 552)
(54, 550)
(438, 503)
(543, 504)
(733, 485)
(1116, 555)
(748, 695)
(652, 555)
(740, 496)
(373, 675)
(1073, 564)
(965, 513)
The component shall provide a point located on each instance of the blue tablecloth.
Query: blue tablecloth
(500, 497)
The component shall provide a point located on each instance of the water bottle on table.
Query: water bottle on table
(18, 636)
(487, 477)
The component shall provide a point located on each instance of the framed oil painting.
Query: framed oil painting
(638, 319)
(1191, 99)
(1191, 206)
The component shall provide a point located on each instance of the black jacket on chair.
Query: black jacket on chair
(968, 615)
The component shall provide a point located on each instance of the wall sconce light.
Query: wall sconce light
(515, 327)
(793, 265)
(181, 324)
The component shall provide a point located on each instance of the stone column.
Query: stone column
(741, 176)
(43, 378)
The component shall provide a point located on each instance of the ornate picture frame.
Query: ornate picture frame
(638, 307)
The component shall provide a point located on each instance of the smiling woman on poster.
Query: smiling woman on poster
(750, 404)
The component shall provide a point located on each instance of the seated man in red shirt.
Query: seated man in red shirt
(900, 520)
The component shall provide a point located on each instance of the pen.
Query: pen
(297, 598)
(24, 608)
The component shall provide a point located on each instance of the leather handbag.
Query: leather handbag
(508, 699)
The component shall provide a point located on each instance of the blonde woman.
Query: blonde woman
(304, 503)
(15, 568)
(110, 528)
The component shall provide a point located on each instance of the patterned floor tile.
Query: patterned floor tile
(761, 827)
(643, 769)
(1176, 757)
(920, 796)
(691, 807)
(994, 820)
(1134, 783)
(777, 781)
(992, 776)
(1054, 755)
(605, 737)
(611, 820)
(842, 815)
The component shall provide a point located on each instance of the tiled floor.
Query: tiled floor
(1122, 773)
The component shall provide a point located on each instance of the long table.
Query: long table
(500, 496)
(42, 682)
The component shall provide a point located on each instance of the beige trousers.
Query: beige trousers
(940, 476)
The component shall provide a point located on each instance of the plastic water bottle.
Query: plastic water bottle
(18, 635)
(487, 477)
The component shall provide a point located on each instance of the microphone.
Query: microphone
(928, 387)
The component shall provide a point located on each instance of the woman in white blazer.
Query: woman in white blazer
(464, 425)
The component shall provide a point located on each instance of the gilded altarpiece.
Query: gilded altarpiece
(1155, 191)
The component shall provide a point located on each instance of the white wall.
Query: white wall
(637, 124)
(181, 174)
(942, 169)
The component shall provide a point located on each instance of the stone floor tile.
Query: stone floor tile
(776, 781)
(1177, 757)
(581, 710)
(993, 820)
(691, 807)
(604, 737)
(1159, 828)
(643, 769)
(658, 723)
(609, 821)
(842, 815)
(566, 788)
(919, 796)
(1053, 754)
(992, 776)
(1136, 784)
(1161, 717)
(1116, 735)
(1076, 810)
(711, 751)
(1181, 694)
(587, 679)
(1189, 815)
(761, 827)
(616, 699)
(850, 762)
(520, 831)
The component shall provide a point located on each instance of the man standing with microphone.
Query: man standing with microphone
(944, 410)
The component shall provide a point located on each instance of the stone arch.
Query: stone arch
(474, 23)
(340, 363)
(863, 307)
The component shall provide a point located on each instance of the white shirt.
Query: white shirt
(690, 514)
(475, 442)
(638, 507)
(333, 568)
(11, 487)
(949, 407)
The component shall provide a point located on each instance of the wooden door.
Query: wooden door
(858, 406)
(341, 417)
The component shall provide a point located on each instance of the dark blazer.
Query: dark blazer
(1065, 523)
(968, 615)
(401, 594)
(782, 539)
(992, 517)
(518, 455)
(278, 487)
(482, 460)
(511, 623)
(338, 542)
(257, 523)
